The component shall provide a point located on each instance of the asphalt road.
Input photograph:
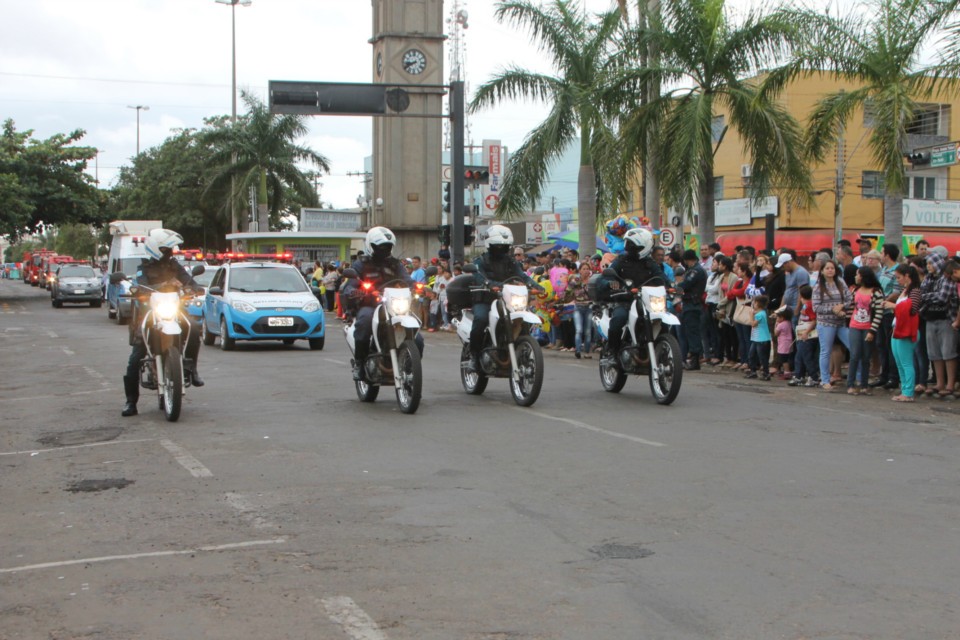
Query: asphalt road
(280, 507)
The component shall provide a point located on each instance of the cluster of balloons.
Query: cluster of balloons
(618, 226)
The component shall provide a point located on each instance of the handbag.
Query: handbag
(744, 314)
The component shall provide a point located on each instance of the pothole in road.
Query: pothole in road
(621, 551)
(88, 486)
(80, 436)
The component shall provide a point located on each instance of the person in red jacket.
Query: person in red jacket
(906, 325)
(738, 293)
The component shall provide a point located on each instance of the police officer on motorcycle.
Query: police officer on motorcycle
(494, 266)
(160, 245)
(636, 265)
(378, 266)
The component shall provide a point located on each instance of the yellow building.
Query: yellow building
(848, 181)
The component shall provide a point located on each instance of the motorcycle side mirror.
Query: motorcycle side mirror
(350, 273)
(197, 270)
(469, 268)
(430, 272)
(117, 277)
(610, 273)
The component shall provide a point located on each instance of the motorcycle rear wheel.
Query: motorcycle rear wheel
(474, 382)
(530, 361)
(173, 385)
(366, 392)
(670, 366)
(611, 376)
(411, 372)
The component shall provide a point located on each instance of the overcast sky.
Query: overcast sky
(79, 64)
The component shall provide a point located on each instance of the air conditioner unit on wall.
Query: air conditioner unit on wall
(746, 170)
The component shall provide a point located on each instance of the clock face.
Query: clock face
(414, 62)
(379, 64)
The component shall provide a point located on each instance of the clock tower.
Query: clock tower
(408, 50)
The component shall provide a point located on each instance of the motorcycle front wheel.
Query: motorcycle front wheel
(669, 366)
(530, 363)
(411, 376)
(173, 385)
(474, 382)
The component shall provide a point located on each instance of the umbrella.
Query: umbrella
(571, 239)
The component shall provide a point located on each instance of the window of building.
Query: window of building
(717, 125)
(872, 184)
(923, 188)
(718, 188)
(869, 112)
(928, 120)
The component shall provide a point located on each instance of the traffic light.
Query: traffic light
(467, 235)
(446, 196)
(918, 157)
(443, 233)
(476, 175)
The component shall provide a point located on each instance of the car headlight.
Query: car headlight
(517, 303)
(658, 304)
(310, 307)
(167, 310)
(400, 306)
(245, 307)
(196, 302)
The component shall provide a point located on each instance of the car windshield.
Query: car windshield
(251, 279)
(77, 272)
(204, 278)
(129, 266)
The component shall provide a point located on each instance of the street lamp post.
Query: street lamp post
(233, 95)
(139, 108)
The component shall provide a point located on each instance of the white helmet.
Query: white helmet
(498, 235)
(161, 239)
(640, 238)
(378, 236)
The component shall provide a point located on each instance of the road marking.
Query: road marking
(137, 556)
(354, 620)
(248, 511)
(68, 351)
(187, 461)
(52, 334)
(336, 361)
(588, 427)
(74, 446)
(62, 395)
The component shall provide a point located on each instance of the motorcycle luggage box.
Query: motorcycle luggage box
(459, 296)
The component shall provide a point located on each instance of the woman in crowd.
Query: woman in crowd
(330, 285)
(709, 327)
(938, 307)
(906, 312)
(729, 342)
(738, 293)
(864, 325)
(831, 299)
(577, 295)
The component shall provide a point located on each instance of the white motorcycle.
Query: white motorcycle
(508, 350)
(647, 347)
(393, 354)
(161, 330)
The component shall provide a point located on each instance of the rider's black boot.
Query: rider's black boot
(359, 359)
(191, 369)
(131, 387)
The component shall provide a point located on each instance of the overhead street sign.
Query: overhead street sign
(944, 155)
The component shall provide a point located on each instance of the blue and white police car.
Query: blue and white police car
(261, 300)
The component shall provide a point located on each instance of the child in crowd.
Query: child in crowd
(759, 339)
(783, 331)
(808, 371)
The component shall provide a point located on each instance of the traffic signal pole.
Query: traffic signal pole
(457, 117)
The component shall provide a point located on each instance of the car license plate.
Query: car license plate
(279, 322)
(80, 291)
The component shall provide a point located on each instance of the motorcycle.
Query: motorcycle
(161, 330)
(508, 350)
(647, 347)
(394, 355)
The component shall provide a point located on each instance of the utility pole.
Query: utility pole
(838, 187)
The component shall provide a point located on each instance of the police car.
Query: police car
(256, 299)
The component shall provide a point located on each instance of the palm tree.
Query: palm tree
(713, 65)
(260, 150)
(581, 51)
(882, 51)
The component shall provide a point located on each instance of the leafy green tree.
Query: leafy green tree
(581, 51)
(77, 240)
(264, 147)
(14, 252)
(883, 51)
(712, 63)
(42, 182)
(169, 183)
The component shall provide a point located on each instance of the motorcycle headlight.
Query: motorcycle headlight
(245, 307)
(167, 309)
(399, 306)
(310, 307)
(517, 303)
(658, 304)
